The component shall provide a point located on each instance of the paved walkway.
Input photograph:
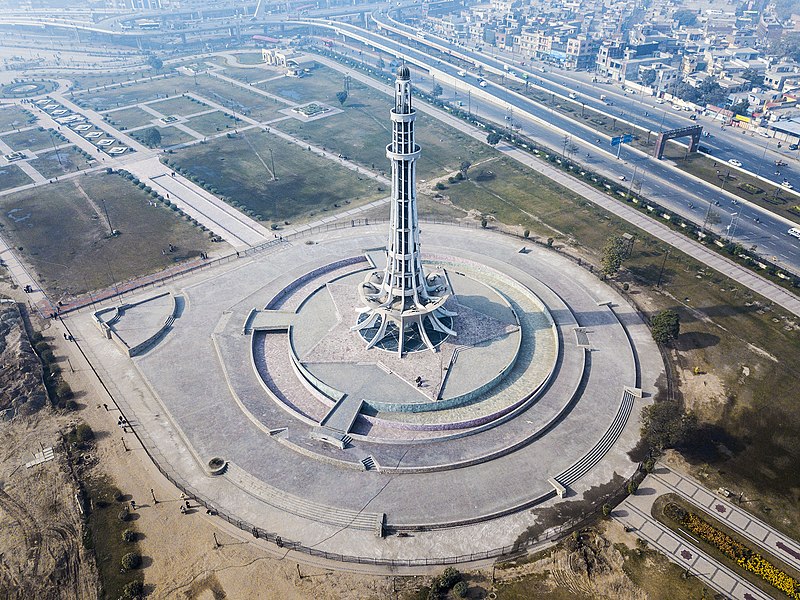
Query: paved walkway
(745, 277)
(635, 513)
(733, 516)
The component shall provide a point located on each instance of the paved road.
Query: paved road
(661, 181)
(635, 513)
(744, 276)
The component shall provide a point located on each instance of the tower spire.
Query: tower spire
(402, 309)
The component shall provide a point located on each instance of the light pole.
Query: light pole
(663, 264)
(730, 225)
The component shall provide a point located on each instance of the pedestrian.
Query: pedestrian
(133, 504)
(65, 336)
(188, 506)
(183, 510)
(106, 407)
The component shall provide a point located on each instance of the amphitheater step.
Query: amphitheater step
(339, 517)
(603, 445)
(369, 463)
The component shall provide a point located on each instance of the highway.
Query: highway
(685, 195)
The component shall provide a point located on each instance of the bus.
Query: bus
(149, 25)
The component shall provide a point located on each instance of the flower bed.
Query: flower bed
(736, 551)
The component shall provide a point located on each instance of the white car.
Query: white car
(462, 73)
(787, 184)
(734, 162)
(483, 83)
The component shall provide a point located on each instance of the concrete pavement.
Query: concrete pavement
(636, 513)
(769, 290)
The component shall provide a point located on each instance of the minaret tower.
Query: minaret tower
(402, 309)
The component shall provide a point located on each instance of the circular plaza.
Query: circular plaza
(532, 398)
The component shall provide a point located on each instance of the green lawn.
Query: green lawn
(129, 94)
(211, 123)
(129, 118)
(30, 139)
(180, 105)
(169, 136)
(236, 98)
(56, 163)
(12, 176)
(66, 240)
(321, 84)
(12, 117)
(307, 185)
(362, 130)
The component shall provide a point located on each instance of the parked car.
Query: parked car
(787, 184)
(793, 146)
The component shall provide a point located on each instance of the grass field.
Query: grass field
(12, 117)
(129, 118)
(134, 93)
(30, 139)
(169, 136)
(362, 130)
(65, 237)
(49, 165)
(211, 123)
(322, 84)
(12, 176)
(306, 183)
(235, 97)
(180, 105)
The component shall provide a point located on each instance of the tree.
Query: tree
(152, 137)
(341, 97)
(685, 17)
(155, 62)
(437, 91)
(493, 138)
(754, 77)
(666, 425)
(648, 77)
(131, 560)
(740, 108)
(464, 167)
(613, 254)
(665, 326)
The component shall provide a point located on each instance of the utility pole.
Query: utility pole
(108, 219)
(663, 264)
(272, 160)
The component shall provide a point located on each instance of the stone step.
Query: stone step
(603, 445)
(369, 463)
(296, 505)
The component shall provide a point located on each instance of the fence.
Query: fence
(165, 468)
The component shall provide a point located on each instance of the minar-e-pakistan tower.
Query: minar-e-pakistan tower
(402, 309)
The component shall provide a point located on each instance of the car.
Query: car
(704, 149)
(660, 101)
(462, 73)
(693, 117)
(623, 178)
(794, 232)
(793, 146)
(573, 95)
(676, 107)
(483, 83)
(734, 162)
(787, 184)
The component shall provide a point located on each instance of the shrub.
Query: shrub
(132, 590)
(665, 326)
(41, 347)
(63, 390)
(460, 589)
(484, 223)
(449, 577)
(131, 560)
(128, 536)
(550, 242)
(124, 514)
(606, 510)
(632, 487)
(84, 433)
(526, 234)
